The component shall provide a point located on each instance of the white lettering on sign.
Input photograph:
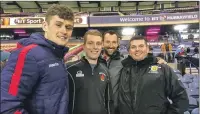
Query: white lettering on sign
(182, 17)
(29, 20)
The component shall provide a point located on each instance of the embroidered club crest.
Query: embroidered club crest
(154, 69)
(102, 76)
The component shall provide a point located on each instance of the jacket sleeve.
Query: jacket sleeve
(17, 81)
(109, 99)
(176, 92)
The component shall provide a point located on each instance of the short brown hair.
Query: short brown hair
(137, 38)
(62, 11)
(111, 32)
(91, 32)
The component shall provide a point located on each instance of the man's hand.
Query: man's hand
(161, 61)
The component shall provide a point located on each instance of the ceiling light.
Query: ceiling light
(128, 31)
(180, 27)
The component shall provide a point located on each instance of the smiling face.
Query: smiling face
(58, 30)
(58, 24)
(138, 49)
(110, 43)
(93, 46)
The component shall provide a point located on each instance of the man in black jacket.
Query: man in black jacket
(92, 91)
(146, 86)
(112, 58)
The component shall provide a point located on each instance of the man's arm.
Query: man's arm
(176, 92)
(17, 81)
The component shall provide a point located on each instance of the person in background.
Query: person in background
(4, 58)
(145, 86)
(35, 80)
(166, 49)
(90, 80)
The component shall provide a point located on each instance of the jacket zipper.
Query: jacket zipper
(108, 94)
(136, 89)
(104, 92)
(108, 103)
(92, 72)
(108, 99)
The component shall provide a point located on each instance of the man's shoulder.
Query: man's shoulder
(103, 65)
(73, 64)
(118, 61)
(39, 53)
(24, 51)
(165, 67)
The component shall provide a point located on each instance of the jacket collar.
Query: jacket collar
(148, 60)
(39, 39)
(114, 56)
(58, 50)
(83, 59)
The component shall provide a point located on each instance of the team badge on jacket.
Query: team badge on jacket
(102, 76)
(154, 69)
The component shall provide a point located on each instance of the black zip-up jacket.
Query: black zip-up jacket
(90, 91)
(145, 87)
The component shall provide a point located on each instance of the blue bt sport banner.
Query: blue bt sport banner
(169, 17)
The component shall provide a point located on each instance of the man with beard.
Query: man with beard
(112, 58)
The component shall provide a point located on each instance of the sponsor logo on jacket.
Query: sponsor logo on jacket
(79, 74)
(53, 65)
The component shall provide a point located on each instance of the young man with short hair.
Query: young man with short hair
(92, 91)
(35, 80)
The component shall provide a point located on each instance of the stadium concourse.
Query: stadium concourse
(170, 27)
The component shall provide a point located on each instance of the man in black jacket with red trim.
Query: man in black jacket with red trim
(92, 90)
(146, 86)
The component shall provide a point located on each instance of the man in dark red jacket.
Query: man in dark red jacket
(35, 80)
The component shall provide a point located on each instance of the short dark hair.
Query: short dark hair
(137, 38)
(62, 11)
(111, 32)
(91, 32)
